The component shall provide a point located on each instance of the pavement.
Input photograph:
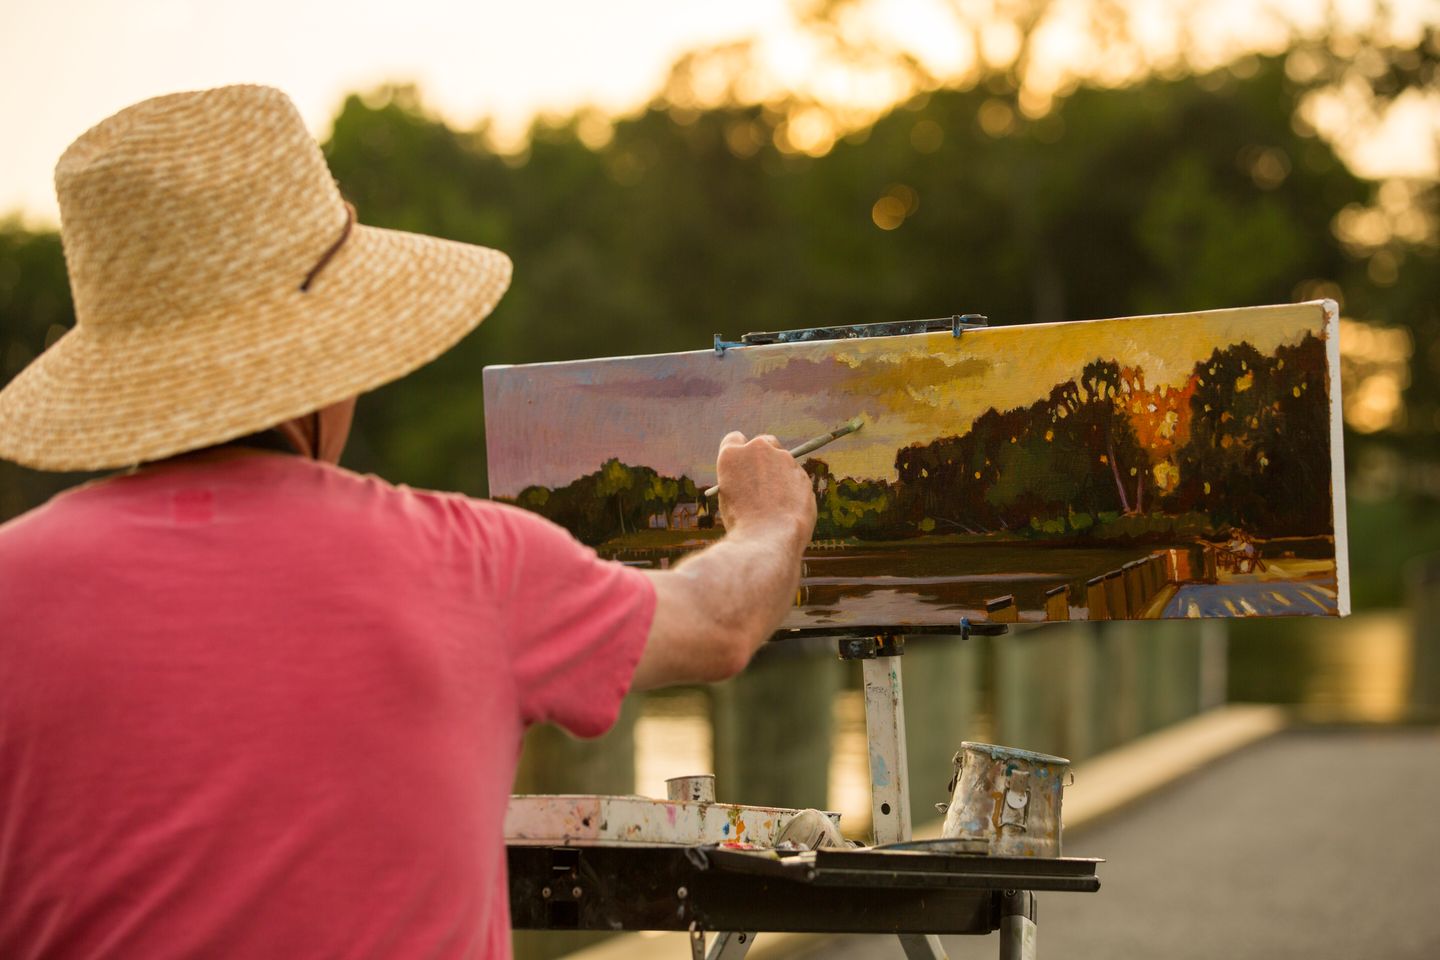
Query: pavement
(1312, 843)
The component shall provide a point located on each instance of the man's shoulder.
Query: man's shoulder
(41, 520)
(423, 507)
(266, 486)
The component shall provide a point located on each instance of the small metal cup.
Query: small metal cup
(699, 787)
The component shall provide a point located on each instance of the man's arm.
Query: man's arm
(715, 608)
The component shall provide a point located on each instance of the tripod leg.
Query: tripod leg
(731, 945)
(885, 733)
(921, 946)
(1017, 925)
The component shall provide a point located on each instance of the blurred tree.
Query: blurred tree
(35, 310)
(695, 216)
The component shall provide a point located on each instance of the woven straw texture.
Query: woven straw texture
(189, 223)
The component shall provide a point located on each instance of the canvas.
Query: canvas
(1164, 466)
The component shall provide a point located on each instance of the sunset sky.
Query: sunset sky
(548, 424)
(67, 64)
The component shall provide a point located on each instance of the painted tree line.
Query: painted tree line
(615, 500)
(1243, 442)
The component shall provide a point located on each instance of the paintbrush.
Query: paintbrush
(811, 445)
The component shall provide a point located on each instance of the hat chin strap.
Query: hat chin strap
(321, 435)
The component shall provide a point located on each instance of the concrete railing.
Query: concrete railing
(1423, 595)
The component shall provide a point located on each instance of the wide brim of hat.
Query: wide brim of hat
(112, 396)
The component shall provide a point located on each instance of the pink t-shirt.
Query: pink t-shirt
(264, 707)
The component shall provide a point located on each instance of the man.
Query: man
(251, 704)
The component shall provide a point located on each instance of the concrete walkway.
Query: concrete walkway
(1312, 844)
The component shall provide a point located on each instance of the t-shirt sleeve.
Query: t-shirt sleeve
(576, 625)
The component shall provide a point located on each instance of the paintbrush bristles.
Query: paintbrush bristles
(813, 444)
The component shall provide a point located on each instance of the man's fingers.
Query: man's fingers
(732, 439)
(770, 439)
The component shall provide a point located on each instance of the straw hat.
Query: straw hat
(221, 287)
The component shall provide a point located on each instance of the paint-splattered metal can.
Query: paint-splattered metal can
(1008, 797)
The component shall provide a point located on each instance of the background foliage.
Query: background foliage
(1181, 189)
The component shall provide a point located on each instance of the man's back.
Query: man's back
(259, 706)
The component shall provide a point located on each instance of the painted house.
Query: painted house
(683, 516)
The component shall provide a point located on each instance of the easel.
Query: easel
(912, 889)
(879, 658)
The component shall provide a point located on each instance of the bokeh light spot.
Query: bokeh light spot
(996, 117)
(927, 136)
(1374, 372)
(888, 213)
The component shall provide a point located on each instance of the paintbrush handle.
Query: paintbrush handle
(809, 446)
(815, 443)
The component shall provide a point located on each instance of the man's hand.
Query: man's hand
(719, 605)
(763, 488)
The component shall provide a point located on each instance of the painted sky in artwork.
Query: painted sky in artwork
(548, 424)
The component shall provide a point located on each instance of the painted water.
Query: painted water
(920, 582)
(928, 583)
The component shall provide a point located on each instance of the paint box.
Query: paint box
(595, 820)
(1009, 798)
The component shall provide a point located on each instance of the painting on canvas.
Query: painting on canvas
(1162, 466)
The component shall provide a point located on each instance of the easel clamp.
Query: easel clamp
(956, 324)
